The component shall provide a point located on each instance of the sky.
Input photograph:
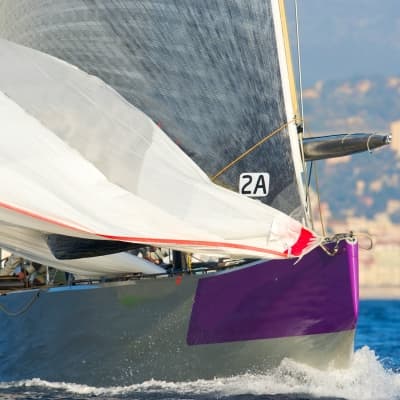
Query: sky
(342, 39)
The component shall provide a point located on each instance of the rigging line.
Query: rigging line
(337, 238)
(368, 236)
(369, 138)
(299, 61)
(300, 81)
(308, 197)
(321, 218)
(252, 148)
(317, 191)
(23, 309)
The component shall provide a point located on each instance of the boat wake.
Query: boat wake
(366, 379)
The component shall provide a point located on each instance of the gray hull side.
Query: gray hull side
(132, 332)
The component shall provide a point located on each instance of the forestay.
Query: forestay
(78, 159)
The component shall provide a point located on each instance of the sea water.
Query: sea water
(373, 375)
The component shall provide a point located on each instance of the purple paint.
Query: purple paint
(278, 298)
(352, 253)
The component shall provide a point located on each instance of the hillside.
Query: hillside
(350, 56)
(363, 185)
(352, 105)
(369, 183)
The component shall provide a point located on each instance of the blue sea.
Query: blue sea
(373, 375)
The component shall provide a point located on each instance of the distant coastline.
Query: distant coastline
(379, 292)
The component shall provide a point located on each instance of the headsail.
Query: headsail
(31, 244)
(213, 74)
(79, 160)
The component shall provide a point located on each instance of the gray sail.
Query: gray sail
(208, 72)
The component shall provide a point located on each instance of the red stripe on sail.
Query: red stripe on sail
(178, 242)
(41, 217)
(305, 239)
(200, 243)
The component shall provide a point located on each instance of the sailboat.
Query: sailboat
(173, 125)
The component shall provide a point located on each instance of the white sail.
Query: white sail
(31, 244)
(213, 74)
(70, 143)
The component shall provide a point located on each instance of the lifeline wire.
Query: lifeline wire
(23, 309)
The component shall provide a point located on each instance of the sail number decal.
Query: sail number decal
(254, 184)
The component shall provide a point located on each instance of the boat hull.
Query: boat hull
(185, 327)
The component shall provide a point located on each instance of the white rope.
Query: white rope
(347, 135)
(369, 138)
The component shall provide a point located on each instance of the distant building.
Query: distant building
(395, 130)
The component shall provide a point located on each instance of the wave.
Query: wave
(365, 379)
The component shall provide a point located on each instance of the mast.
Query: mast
(289, 63)
(290, 95)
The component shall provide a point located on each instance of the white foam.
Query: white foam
(366, 379)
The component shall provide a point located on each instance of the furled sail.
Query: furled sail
(31, 244)
(79, 160)
(213, 74)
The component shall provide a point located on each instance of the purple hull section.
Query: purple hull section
(274, 299)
